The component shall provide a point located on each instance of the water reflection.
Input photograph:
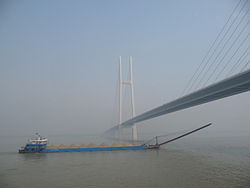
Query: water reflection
(33, 156)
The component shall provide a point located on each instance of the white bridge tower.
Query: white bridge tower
(131, 84)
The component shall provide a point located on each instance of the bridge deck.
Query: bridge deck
(236, 84)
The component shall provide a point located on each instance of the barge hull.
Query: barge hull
(95, 149)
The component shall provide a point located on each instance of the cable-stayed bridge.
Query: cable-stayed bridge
(229, 53)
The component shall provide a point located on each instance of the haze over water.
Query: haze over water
(193, 161)
(58, 69)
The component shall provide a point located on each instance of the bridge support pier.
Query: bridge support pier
(134, 133)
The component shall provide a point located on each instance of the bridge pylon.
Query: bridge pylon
(129, 82)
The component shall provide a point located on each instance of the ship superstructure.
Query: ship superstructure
(35, 145)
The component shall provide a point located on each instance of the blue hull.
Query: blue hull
(95, 149)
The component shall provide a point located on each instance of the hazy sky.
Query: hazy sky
(59, 64)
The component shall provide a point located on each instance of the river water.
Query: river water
(191, 162)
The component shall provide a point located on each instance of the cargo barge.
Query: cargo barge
(34, 148)
(39, 145)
